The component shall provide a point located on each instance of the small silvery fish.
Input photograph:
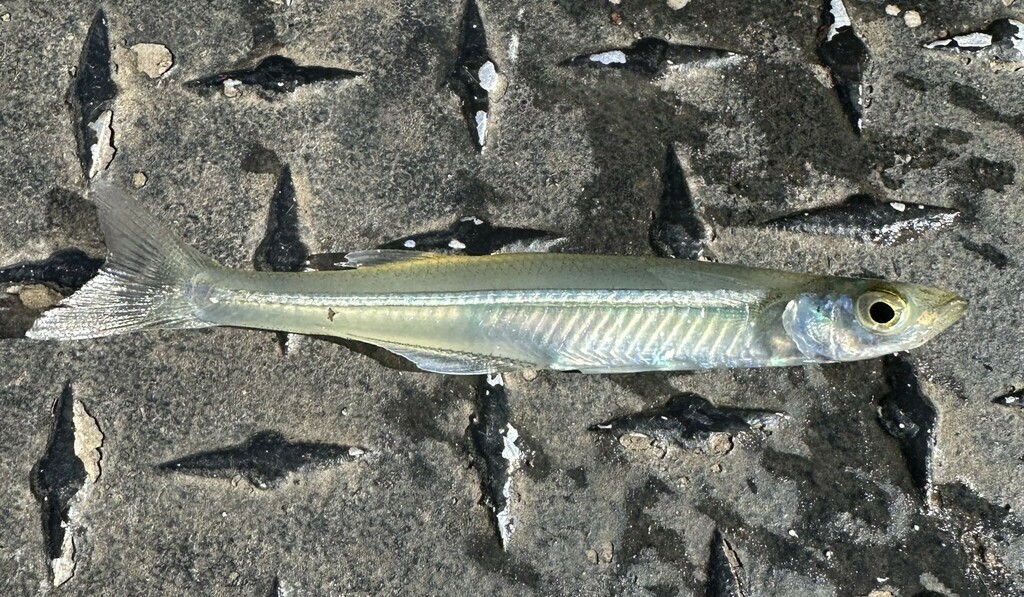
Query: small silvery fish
(469, 315)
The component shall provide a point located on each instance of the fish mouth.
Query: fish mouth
(948, 312)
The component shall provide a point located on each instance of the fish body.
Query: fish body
(483, 314)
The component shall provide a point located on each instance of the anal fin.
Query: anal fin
(450, 362)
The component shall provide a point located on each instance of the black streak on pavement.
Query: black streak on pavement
(909, 416)
(93, 89)
(276, 73)
(264, 460)
(986, 251)
(491, 432)
(1014, 398)
(1003, 39)
(474, 236)
(723, 569)
(651, 56)
(467, 236)
(58, 475)
(65, 270)
(470, 78)
(845, 55)
(689, 420)
(679, 230)
(869, 220)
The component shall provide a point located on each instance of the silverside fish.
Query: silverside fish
(468, 315)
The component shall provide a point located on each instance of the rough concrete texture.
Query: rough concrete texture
(824, 504)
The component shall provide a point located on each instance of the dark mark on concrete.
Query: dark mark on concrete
(869, 220)
(971, 99)
(467, 236)
(689, 421)
(91, 97)
(498, 456)
(980, 174)
(845, 55)
(490, 556)
(330, 314)
(651, 56)
(1013, 398)
(275, 588)
(65, 271)
(645, 539)
(986, 251)
(58, 476)
(264, 460)
(474, 76)
(909, 416)
(474, 236)
(275, 73)
(723, 569)
(679, 229)
(282, 249)
(1003, 39)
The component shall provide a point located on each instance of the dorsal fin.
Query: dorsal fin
(372, 257)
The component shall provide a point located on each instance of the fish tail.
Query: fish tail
(144, 284)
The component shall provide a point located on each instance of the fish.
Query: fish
(471, 315)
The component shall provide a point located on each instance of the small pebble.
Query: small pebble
(231, 88)
(139, 180)
(5, 17)
(912, 18)
(153, 59)
(677, 4)
(892, 10)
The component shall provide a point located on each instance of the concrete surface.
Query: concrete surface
(823, 505)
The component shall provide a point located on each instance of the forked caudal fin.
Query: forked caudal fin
(141, 286)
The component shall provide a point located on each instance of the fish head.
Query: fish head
(857, 319)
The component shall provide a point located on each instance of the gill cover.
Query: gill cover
(826, 328)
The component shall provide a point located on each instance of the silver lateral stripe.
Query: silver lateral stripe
(532, 298)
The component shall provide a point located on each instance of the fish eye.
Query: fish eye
(881, 310)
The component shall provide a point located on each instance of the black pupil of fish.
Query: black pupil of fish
(881, 312)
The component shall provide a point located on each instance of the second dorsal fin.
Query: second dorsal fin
(372, 257)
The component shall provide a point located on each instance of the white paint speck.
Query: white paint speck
(840, 18)
(353, 451)
(409, 244)
(488, 76)
(898, 206)
(611, 57)
(481, 127)
(792, 533)
(456, 244)
(103, 150)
